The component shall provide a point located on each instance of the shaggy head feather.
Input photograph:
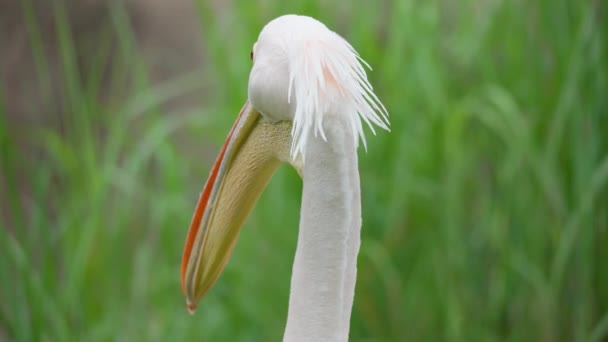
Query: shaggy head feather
(305, 72)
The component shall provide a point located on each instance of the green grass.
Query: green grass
(485, 213)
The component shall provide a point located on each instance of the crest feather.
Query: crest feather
(327, 77)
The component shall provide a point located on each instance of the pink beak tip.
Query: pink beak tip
(191, 307)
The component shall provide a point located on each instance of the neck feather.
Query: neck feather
(324, 270)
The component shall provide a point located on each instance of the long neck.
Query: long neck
(324, 270)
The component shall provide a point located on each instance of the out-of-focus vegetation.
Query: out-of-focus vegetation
(485, 209)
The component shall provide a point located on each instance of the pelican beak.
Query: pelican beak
(250, 155)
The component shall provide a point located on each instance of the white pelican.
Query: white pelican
(308, 96)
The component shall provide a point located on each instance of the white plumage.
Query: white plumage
(324, 76)
(308, 96)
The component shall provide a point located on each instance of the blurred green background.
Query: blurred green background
(485, 209)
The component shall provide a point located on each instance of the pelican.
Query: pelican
(308, 97)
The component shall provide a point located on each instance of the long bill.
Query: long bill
(250, 155)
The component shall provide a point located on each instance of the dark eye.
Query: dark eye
(251, 55)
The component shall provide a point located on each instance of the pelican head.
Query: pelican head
(304, 72)
(308, 96)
